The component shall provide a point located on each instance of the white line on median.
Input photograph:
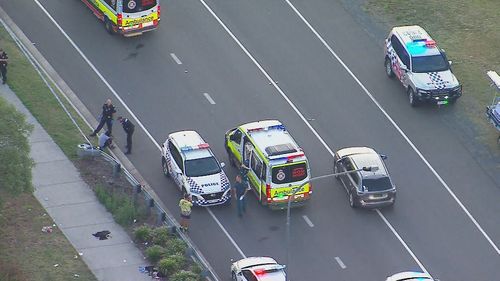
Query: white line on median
(308, 221)
(80, 52)
(209, 98)
(341, 264)
(441, 180)
(176, 59)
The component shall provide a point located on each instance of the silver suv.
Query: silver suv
(414, 58)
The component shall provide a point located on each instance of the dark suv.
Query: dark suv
(365, 188)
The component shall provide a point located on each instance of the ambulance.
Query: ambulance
(277, 165)
(126, 17)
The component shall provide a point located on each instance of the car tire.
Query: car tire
(388, 68)
(352, 201)
(412, 97)
(108, 26)
(233, 276)
(166, 170)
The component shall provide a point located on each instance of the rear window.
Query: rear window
(134, 6)
(289, 173)
(378, 184)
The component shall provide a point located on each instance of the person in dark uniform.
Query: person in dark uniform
(4, 60)
(108, 109)
(128, 127)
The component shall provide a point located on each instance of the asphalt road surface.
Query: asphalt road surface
(328, 73)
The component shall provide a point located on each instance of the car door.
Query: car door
(176, 165)
(256, 172)
(398, 58)
(234, 143)
(347, 178)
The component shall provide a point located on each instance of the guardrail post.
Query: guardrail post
(151, 204)
(137, 190)
(162, 216)
(117, 167)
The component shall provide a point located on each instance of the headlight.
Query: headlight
(423, 92)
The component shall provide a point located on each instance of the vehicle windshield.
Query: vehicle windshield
(134, 6)
(289, 173)
(377, 184)
(425, 64)
(201, 167)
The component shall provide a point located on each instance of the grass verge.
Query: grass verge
(469, 31)
(27, 252)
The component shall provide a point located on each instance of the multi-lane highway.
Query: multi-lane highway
(312, 66)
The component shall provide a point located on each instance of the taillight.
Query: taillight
(310, 188)
(159, 11)
(119, 20)
(268, 192)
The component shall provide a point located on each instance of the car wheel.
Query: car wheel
(388, 68)
(412, 98)
(109, 26)
(352, 201)
(233, 276)
(166, 170)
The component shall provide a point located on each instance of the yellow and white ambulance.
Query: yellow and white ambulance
(126, 17)
(277, 165)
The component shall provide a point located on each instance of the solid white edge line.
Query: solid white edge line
(462, 206)
(287, 99)
(176, 59)
(401, 241)
(209, 98)
(308, 221)
(341, 264)
(128, 109)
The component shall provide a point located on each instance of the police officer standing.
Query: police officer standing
(128, 127)
(108, 109)
(4, 59)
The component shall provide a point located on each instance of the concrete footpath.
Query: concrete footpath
(75, 209)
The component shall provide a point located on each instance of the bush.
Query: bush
(142, 233)
(195, 268)
(126, 213)
(120, 205)
(172, 264)
(155, 253)
(160, 236)
(176, 246)
(185, 276)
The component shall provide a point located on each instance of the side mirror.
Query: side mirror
(222, 164)
(383, 156)
(450, 62)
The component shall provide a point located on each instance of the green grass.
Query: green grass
(27, 252)
(32, 91)
(469, 32)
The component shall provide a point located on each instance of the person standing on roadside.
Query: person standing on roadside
(240, 190)
(128, 127)
(108, 109)
(4, 60)
(185, 204)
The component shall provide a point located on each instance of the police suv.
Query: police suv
(190, 162)
(414, 58)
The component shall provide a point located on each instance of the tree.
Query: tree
(15, 160)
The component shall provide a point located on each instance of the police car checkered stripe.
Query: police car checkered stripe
(437, 80)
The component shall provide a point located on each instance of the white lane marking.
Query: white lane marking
(401, 240)
(176, 59)
(209, 98)
(128, 109)
(341, 264)
(462, 206)
(271, 81)
(308, 221)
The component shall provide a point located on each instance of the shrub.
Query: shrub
(176, 246)
(195, 268)
(142, 233)
(160, 236)
(172, 264)
(125, 213)
(155, 253)
(185, 276)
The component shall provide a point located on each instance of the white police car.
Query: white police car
(414, 58)
(189, 161)
(257, 269)
(411, 276)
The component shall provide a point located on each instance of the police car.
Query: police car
(257, 269)
(415, 59)
(411, 276)
(190, 162)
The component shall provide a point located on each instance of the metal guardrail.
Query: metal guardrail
(163, 217)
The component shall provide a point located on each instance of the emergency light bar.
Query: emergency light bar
(273, 127)
(200, 146)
